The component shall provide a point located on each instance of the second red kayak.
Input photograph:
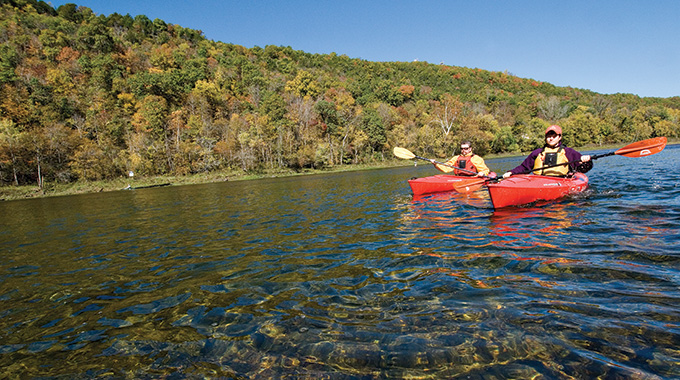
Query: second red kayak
(440, 183)
(526, 188)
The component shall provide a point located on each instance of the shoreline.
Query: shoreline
(51, 189)
(11, 193)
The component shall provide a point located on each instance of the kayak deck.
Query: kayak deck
(526, 188)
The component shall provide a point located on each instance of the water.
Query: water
(346, 276)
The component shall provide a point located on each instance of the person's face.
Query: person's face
(465, 149)
(552, 139)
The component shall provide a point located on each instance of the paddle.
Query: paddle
(469, 185)
(637, 149)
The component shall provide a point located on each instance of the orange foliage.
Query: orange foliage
(407, 90)
(67, 55)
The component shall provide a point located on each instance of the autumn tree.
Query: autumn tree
(446, 114)
(10, 149)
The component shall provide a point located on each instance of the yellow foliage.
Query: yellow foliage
(135, 161)
(304, 85)
(89, 161)
(60, 81)
(127, 101)
(209, 89)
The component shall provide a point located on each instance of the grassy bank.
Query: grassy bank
(82, 187)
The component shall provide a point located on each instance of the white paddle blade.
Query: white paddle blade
(403, 153)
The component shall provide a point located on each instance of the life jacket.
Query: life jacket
(465, 162)
(552, 156)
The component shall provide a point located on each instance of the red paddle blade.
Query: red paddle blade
(643, 148)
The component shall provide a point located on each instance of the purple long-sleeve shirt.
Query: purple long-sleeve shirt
(528, 164)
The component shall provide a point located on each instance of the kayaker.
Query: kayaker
(467, 160)
(553, 153)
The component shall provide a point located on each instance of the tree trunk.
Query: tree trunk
(40, 181)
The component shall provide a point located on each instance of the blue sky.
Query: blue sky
(607, 46)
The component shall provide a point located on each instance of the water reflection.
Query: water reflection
(528, 227)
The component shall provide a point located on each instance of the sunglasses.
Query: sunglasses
(465, 147)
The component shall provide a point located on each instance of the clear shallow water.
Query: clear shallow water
(346, 276)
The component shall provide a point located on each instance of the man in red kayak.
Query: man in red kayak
(547, 160)
(470, 163)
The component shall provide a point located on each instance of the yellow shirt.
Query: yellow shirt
(476, 160)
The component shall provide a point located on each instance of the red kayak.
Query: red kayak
(442, 182)
(526, 188)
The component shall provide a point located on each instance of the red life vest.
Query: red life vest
(465, 162)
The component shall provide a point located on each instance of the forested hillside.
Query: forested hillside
(86, 96)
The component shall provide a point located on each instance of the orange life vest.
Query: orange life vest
(552, 156)
(465, 162)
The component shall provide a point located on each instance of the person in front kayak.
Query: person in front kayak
(470, 163)
(553, 154)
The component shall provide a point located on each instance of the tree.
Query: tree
(87, 161)
(551, 109)
(10, 146)
(578, 128)
(304, 85)
(446, 113)
(151, 116)
(373, 127)
(329, 124)
(36, 144)
(8, 62)
(504, 141)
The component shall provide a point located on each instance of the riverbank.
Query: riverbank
(8, 193)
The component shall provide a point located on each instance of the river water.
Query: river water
(346, 276)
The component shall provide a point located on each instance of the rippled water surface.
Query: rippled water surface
(347, 276)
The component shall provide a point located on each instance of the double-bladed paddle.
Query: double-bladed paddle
(637, 149)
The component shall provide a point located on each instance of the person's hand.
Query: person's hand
(432, 160)
(585, 158)
(480, 174)
(507, 174)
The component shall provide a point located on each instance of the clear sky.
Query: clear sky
(607, 46)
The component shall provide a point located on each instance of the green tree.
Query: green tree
(151, 115)
(373, 127)
(10, 148)
(8, 62)
(505, 141)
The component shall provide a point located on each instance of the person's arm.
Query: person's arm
(445, 169)
(479, 163)
(574, 155)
